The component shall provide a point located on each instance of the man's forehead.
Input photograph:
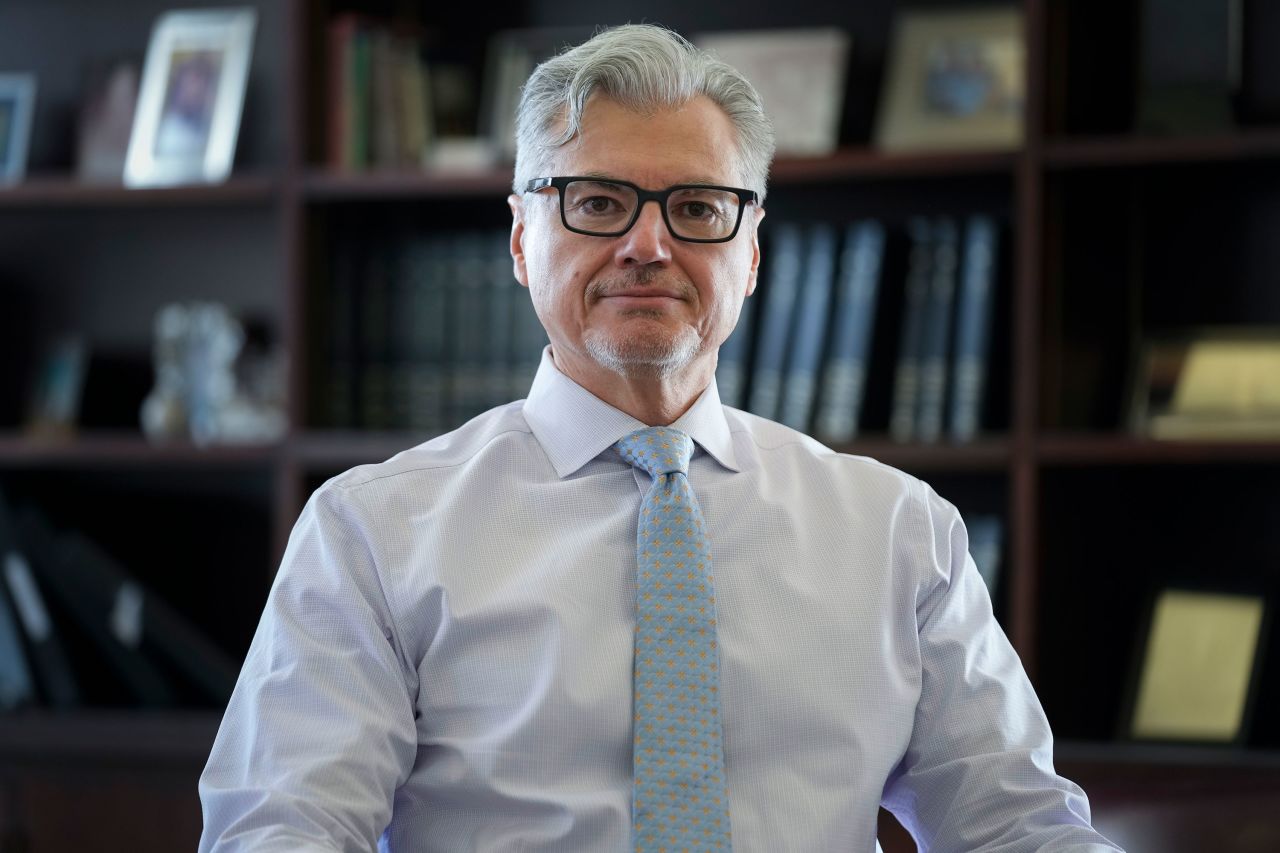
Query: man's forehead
(693, 143)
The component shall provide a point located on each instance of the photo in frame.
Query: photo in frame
(1196, 673)
(800, 76)
(1207, 383)
(955, 79)
(17, 109)
(191, 98)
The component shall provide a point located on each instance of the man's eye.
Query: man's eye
(598, 204)
(697, 210)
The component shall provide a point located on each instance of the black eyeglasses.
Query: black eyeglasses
(696, 213)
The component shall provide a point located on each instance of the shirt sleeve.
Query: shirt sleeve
(978, 771)
(320, 729)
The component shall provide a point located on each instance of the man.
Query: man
(559, 629)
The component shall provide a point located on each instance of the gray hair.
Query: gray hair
(642, 67)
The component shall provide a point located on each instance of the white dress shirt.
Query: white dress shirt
(444, 663)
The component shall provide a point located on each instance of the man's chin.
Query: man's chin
(660, 354)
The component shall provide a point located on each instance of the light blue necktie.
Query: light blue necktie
(679, 801)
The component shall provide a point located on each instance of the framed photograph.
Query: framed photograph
(800, 75)
(191, 98)
(1209, 383)
(956, 79)
(17, 107)
(58, 388)
(1197, 671)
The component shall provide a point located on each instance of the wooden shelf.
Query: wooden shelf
(992, 454)
(1067, 449)
(1112, 151)
(59, 192)
(372, 186)
(129, 736)
(867, 163)
(325, 450)
(126, 450)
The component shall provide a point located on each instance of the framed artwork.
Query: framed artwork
(955, 79)
(1207, 383)
(17, 107)
(1196, 673)
(191, 98)
(800, 76)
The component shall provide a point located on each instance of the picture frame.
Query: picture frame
(1206, 383)
(191, 98)
(800, 76)
(1196, 668)
(955, 80)
(17, 111)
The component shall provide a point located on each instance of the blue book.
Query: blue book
(731, 367)
(906, 376)
(426, 267)
(502, 294)
(973, 329)
(936, 341)
(986, 534)
(845, 376)
(17, 687)
(780, 287)
(26, 607)
(813, 311)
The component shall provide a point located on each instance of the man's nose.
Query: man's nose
(648, 241)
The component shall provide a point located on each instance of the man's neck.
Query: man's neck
(652, 399)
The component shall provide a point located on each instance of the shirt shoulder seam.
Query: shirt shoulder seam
(427, 467)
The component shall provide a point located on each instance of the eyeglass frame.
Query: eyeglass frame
(643, 196)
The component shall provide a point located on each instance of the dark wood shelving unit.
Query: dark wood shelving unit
(62, 192)
(126, 450)
(1088, 227)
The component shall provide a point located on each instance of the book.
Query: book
(973, 328)
(469, 292)
(132, 628)
(780, 288)
(845, 375)
(906, 376)
(45, 655)
(986, 542)
(812, 317)
(423, 268)
(17, 686)
(733, 360)
(375, 339)
(935, 341)
(502, 285)
(337, 405)
(101, 608)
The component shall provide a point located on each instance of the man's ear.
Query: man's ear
(753, 276)
(516, 203)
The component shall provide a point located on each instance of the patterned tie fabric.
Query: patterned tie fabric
(679, 801)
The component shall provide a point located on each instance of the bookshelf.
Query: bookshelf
(1107, 233)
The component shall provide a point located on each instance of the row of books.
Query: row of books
(380, 102)
(424, 331)
(806, 360)
(68, 610)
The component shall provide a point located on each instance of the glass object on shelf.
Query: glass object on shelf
(207, 386)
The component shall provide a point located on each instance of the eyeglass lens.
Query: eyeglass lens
(698, 213)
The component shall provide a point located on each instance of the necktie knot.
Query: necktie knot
(658, 450)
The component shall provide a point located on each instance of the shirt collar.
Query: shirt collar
(574, 426)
